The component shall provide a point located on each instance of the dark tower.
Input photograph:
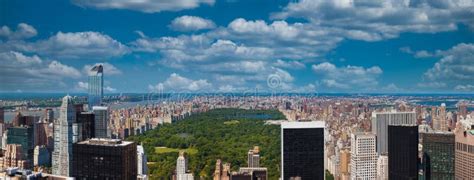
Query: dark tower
(403, 152)
(302, 149)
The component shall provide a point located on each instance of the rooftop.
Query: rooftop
(303, 125)
(105, 142)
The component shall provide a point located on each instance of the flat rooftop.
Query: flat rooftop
(303, 125)
(99, 107)
(105, 142)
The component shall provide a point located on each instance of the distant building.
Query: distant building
(41, 133)
(24, 136)
(2, 114)
(96, 86)
(259, 173)
(13, 157)
(403, 152)
(381, 121)
(64, 138)
(302, 150)
(101, 121)
(363, 156)
(41, 156)
(49, 115)
(142, 169)
(247, 173)
(182, 168)
(345, 159)
(87, 124)
(464, 153)
(21, 120)
(253, 157)
(440, 123)
(462, 109)
(104, 159)
(222, 171)
(185, 176)
(438, 155)
(382, 167)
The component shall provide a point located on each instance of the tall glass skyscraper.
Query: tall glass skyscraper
(96, 85)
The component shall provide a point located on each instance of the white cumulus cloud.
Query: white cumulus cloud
(147, 6)
(348, 77)
(191, 23)
(175, 82)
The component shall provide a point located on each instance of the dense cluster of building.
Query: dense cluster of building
(348, 137)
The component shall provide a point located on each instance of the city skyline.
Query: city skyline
(237, 46)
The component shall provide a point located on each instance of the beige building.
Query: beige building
(13, 157)
(222, 171)
(464, 153)
(344, 161)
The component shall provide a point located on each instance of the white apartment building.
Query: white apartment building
(363, 156)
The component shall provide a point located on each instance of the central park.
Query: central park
(225, 134)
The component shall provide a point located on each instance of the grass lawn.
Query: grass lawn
(163, 150)
(232, 122)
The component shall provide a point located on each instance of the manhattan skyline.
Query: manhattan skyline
(237, 46)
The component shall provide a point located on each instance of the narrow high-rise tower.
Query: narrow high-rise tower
(96, 85)
(253, 157)
(101, 120)
(64, 138)
(181, 164)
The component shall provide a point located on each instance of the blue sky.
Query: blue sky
(235, 46)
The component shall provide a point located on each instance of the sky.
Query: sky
(307, 46)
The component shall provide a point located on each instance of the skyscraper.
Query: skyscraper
(87, 124)
(101, 121)
(104, 159)
(41, 133)
(302, 150)
(2, 114)
(403, 152)
(96, 84)
(41, 156)
(253, 157)
(441, 120)
(464, 153)
(142, 168)
(49, 115)
(182, 168)
(363, 156)
(181, 164)
(24, 136)
(63, 138)
(438, 155)
(382, 167)
(462, 109)
(380, 122)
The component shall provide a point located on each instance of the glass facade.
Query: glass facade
(303, 153)
(438, 155)
(96, 83)
(402, 152)
(94, 161)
